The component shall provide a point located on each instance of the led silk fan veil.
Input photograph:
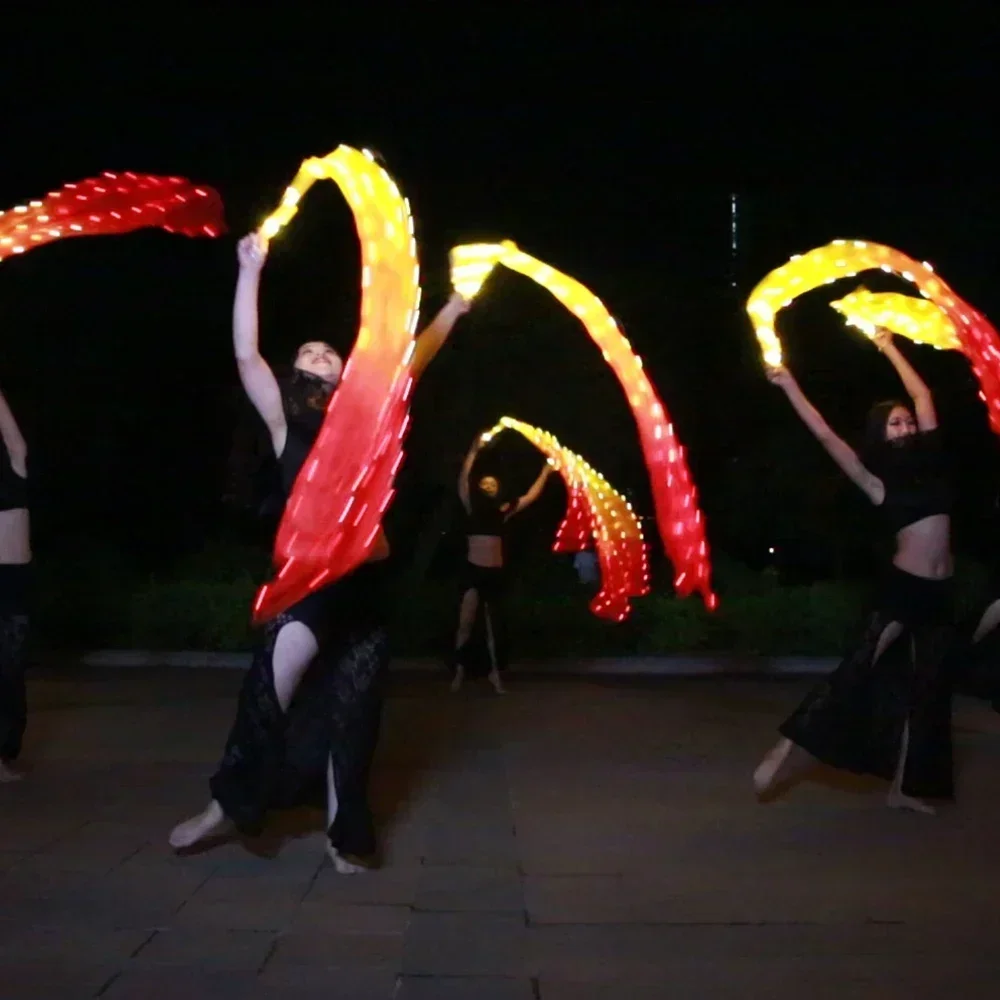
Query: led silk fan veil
(345, 485)
(681, 524)
(110, 205)
(595, 511)
(940, 319)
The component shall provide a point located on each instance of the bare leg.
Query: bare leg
(896, 799)
(466, 620)
(989, 621)
(783, 762)
(342, 865)
(491, 645)
(294, 649)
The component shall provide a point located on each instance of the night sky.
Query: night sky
(608, 145)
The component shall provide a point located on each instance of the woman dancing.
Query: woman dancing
(865, 717)
(15, 560)
(482, 578)
(309, 710)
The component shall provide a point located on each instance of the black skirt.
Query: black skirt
(478, 655)
(854, 719)
(276, 760)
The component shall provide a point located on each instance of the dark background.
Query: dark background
(608, 144)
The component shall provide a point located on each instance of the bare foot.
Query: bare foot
(897, 800)
(456, 684)
(9, 773)
(341, 864)
(212, 820)
(497, 683)
(768, 771)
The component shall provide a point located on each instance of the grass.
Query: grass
(95, 600)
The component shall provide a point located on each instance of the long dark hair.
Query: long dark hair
(878, 421)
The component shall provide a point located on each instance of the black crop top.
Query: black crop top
(916, 478)
(13, 488)
(485, 518)
(298, 443)
(304, 401)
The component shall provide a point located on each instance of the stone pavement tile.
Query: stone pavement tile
(180, 983)
(198, 915)
(342, 918)
(854, 977)
(114, 901)
(307, 946)
(71, 944)
(46, 980)
(645, 953)
(208, 948)
(322, 982)
(13, 859)
(464, 988)
(463, 887)
(386, 886)
(471, 841)
(22, 832)
(465, 944)
(253, 889)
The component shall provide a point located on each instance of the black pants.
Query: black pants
(13, 640)
(490, 627)
(275, 759)
(856, 717)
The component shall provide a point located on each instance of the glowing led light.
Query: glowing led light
(954, 325)
(675, 497)
(115, 212)
(593, 511)
(921, 320)
(359, 448)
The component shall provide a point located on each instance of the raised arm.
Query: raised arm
(839, 450)
(463, 476)
(431, 339)
(13, 439)
(916, 388)
(255, 373)
(535, 491)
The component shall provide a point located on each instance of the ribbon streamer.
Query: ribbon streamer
(346, 483)
(975, 335)
(110, 205)
(680, 521)
(595, 511)
(920, 320)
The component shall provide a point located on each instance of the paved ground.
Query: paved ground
(572, 841)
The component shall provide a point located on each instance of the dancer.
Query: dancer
(482, 579)
(15, 560)
(309, 710)
(865, 717)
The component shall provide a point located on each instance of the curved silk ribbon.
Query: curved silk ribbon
(680, 521)
(598, 512)
(110, 205)
(976, 338)
(346, 483)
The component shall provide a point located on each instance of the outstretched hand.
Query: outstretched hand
(251, 252)
(780, 376)
(459, 303)
(882, 338)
